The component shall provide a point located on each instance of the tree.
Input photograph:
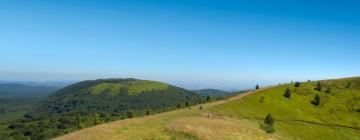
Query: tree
(287, 93)
(148, 111)
(269, 119)
(318, 86)
(268, 124)
(97, 119)
(187, 104)
(208, 98)
(257, 87)
(130, 113)
(297, 84)
(80, 121)
(316, 100)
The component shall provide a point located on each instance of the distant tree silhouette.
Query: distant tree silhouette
(268, 124)
(297, 84)
(316, 100)
(318, 86)
(257, 87)
(130, 113)
(287, 93)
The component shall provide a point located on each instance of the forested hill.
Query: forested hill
(97, 101)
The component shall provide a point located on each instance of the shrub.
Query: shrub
(287, 93)
(148, 111)
(348, 85)
(318, 86)
(261, 100)
(316, 100)
(130, 113)
(297, 84)
(208, 98)
(267, 126)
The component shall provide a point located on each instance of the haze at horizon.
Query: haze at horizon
(201, 43)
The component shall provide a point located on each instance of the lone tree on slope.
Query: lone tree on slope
(268, 124)
(316, 100)
(297, 84)
(287, 93)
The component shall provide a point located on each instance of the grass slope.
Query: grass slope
(239, 117)
(182, 124)
(338, 107)
(132, 87)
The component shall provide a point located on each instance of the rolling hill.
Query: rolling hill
(216, 93)
(14, 90)
(93, 102)
(327, 109)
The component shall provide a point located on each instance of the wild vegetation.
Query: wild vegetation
(94, 102)
(262, 114)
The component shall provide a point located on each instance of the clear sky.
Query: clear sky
(192, 43)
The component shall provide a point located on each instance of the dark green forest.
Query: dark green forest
(93, 102)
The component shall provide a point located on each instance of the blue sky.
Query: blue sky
(191, 43)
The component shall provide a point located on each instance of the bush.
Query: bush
(208, 98)
(130, 113)
(268, 124)
(316, 100)
(297, 84)
(148, 111)
(287, 93)
(318, 86)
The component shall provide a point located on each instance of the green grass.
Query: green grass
(132, 87)
(336, 108)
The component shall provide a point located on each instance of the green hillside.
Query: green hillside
(93, 102)
(336, 116)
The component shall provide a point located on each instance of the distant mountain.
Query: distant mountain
(94, 101)
(13, 90)
(215, 93)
